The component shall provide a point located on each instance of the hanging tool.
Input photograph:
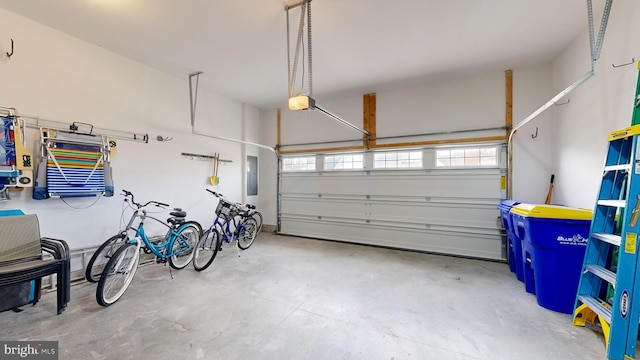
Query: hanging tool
(215, 180)
(548, 199)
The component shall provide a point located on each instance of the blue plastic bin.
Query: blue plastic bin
(554, 241)
(514, 248)
(526, 249)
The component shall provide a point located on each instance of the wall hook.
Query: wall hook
(9, 54)
(163, 138)
(633, 60)
(533, 136)
(564, 103)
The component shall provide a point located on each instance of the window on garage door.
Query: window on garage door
(299, 163)
(397, 159)
(467, 157)
(344, 162)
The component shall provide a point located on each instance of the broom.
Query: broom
(548, 199)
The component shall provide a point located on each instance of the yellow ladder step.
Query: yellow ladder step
(604, 313)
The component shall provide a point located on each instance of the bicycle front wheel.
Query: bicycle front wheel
(206, 250)
(118, 274)
(183, 245)
(101, 257)
(247, 233)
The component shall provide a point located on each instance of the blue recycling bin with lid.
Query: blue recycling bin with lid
(514, 247)
(554, 242)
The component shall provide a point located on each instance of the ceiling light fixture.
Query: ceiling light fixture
(304, 100)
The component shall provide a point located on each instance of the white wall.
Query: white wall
(313, 126)
(58, 77)
(461, 104)
(603, 104)
(470, 103)
(251, 133)
(532, 150)
(268, 164)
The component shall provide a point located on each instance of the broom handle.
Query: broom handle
(548, 199)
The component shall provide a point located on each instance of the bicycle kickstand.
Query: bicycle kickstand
(238, 249)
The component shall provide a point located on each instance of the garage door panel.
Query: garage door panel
(422, 184)
(442, 210)
(397, 225)
(429, 240)
(424, 213)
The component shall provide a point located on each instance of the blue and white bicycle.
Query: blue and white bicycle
(233, 222)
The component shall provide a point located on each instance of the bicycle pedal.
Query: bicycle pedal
(161, 260)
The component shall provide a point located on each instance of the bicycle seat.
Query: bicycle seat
(251, 207)
(177, 212)
(178, 216)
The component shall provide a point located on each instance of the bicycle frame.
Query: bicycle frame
(227, 212)
(227, 234)
(222, 223)
(160, 250)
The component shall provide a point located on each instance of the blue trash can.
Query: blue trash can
(526, 248)
(554, 241)
(514, 248)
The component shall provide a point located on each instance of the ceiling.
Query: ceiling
(359, 46)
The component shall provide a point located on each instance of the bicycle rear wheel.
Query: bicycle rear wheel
(206, 250)
(183, 245)
(247, 232)
(101, 257)
(258, 217)
(117, 275)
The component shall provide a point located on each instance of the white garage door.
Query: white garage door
(438, 199)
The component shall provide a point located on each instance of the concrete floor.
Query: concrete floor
(294, 298)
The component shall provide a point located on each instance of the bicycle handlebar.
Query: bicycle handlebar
(126, 194)
(221, 197)
(214, 193)
(237, 204)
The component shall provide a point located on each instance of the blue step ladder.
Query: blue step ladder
(608, 283)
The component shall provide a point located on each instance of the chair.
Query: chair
(21, 260)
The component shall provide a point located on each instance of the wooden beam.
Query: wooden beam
(447, 141)
(509, 100)
(509, 124)
(365, 119)
(398, 145)
(315, 151)
(369, 119)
